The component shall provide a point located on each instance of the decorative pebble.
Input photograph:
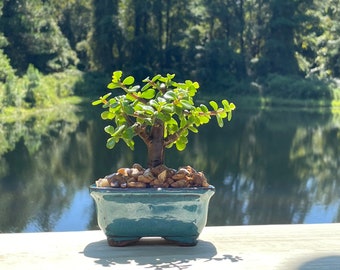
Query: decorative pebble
(102, 182)
(162, 175)
(158, 177)
(136, 185)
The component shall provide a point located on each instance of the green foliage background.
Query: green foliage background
(56, 48)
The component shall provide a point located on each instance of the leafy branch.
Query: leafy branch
(160, 102)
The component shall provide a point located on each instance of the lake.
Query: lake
(268, 167)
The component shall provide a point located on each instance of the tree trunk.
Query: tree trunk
(156, 145)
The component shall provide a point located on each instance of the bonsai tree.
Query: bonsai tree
(162, 112)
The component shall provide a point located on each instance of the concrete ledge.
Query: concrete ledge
(271, 247)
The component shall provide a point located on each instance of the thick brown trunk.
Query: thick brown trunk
(156, 145)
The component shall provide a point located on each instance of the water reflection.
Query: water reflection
(268, 167)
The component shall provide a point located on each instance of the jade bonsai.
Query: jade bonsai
(162, 112)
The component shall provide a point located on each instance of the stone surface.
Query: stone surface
(157, 177)
(282, 247)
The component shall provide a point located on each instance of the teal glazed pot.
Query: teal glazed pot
(127, 214)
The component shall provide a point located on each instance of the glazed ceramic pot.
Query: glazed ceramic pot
(175, 214)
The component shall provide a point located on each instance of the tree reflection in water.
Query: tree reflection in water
(268, 167)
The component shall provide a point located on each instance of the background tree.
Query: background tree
(278, 52)
(73, 20)
(275, 43)
(319, 40)
(34, 37)
(106, 39)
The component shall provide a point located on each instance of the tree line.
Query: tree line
(275, 47)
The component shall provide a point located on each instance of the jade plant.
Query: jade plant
(161, 112)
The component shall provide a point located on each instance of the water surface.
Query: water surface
(268, 167)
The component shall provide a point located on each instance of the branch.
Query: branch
(161, 88)
(142, 133)
(171, 138)
(126, 90)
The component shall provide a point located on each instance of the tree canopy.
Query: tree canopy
(221, 43)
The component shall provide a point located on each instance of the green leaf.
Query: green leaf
(172, 122)
(161, 100)
(130, 143)
(193, 129)
(170, 76)
(146, 79)
(155, 78)
(127, 108)
(219, 120)
(113, 85)
(226, 105)
(192, 91)
(106, 105)
(107, 115)
(97, 102)
(149, 94)
(130, 97)
(145, 87)
(148, 109)
(214, 105)
(129, 80)
(186, 104)
(154, 103)
(106, 96)
(134, 89)
(183, 122)
(223, 114)
(204, 119)
(168, 108)
(170, 95)
(162, 79)
(110, 143)
(197, 120)
(101, 99)
(128, 133)
(109, 129)
(181, 143)
(178, 111)
(118, 130)
(163, 117)
(204, 108)
(230, 115)
(114, 103)
(116, 76)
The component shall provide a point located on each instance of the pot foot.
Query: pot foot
(187, 241)
(116, 241)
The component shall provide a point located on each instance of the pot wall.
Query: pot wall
(174, 214)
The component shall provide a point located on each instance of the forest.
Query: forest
(50, 49)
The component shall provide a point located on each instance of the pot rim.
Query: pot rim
(94, 188)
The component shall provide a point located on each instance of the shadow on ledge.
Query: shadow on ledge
(323, 263)
(155, 253)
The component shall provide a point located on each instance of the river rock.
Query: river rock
(157, 177)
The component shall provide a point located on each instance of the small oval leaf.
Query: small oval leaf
(186, 104)
(170, 95)
(129, 80)
(116, 76)
(148, 94)
(110, 143)
(96, 102)
(219, 121)
(109, 129)
(214, 105)
(118, 130)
